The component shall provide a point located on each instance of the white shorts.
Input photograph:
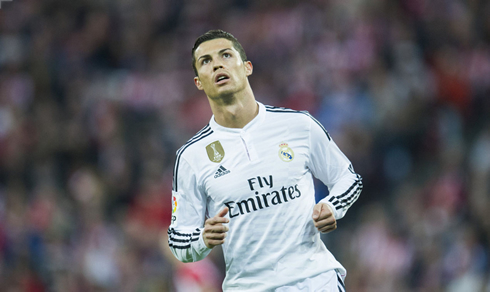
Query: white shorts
(330, 281)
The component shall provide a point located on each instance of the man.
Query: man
(245, 182)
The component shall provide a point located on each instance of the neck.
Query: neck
(235, 111)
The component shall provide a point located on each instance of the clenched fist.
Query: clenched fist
(323, 218)
(214, 231)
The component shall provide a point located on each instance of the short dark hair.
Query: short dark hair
(217, 34)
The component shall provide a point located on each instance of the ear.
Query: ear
(249, 68)
(197, 82)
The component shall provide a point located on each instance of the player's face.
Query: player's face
(221, 71)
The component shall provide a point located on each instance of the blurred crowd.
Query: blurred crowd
(96, 96)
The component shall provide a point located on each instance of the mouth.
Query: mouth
(221, 78)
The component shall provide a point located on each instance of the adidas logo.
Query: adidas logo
(221, 171)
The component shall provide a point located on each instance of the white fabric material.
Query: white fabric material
(325, 282)
(271, 240)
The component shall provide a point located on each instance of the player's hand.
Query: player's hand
(323, 218)
(214, 231)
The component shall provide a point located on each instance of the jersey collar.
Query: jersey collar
(252, 124)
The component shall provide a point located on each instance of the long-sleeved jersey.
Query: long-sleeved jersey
(263, 174)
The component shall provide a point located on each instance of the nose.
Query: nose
(217, 66)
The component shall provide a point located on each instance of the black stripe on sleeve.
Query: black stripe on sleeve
(339, 279)
(340, 284)
(347, 202)
(354, 197)
(180, 246)
(347, 198)
(334, 202)
(184, 240)
(355, 184)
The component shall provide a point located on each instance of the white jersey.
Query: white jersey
(263, 173)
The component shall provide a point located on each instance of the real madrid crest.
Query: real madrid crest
(215, 151)
(285, 152)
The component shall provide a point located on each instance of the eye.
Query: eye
(205, 61)
(226, 55)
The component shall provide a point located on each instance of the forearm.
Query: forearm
(343, 194)
(187, 246)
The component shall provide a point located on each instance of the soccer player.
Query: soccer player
(245, 182)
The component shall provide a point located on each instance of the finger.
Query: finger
(215, 236)
(325, 215)
(219, 218)
(325, 212)
(215, 228)
(316, 211)
(328, 228)
(216, 220)
(212, 243)
(212, 239)
(324, 222)
(223, 212)
(320, 226)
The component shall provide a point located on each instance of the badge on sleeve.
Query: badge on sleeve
(174, 208)
(215, 152)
